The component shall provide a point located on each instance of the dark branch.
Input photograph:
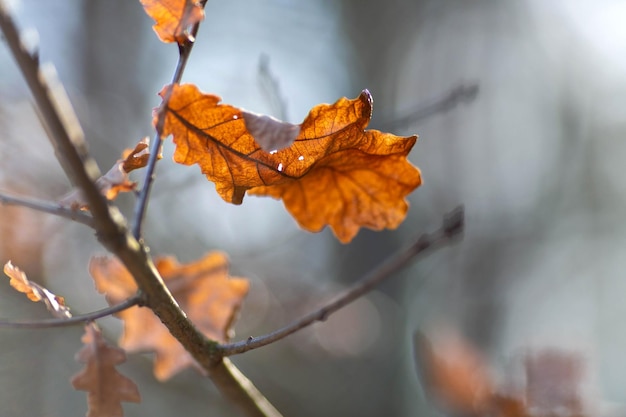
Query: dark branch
(452, 227)
(47, 207)
(70, 321)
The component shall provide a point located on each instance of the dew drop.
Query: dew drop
(301, 158)
(273, 152)
(280, 166)
(235, 117)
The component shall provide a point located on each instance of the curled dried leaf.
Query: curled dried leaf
(454, 374)
(136, 158)
(35, 292)
(116, 180)
(333, 173)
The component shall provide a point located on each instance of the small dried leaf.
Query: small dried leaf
(203, 289)
(138, 157)
(173, 18)
(454, 375)
(20, 282)
(106, 387)
(116, 180)
(35, 292)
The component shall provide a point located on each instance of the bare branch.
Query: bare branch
(452, 227)
(70, 321)
(47, 207)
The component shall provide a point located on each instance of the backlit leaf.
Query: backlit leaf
(454, 375)
(136, 158)
(459, 381)
(173, 18)
(203, 289)
(106, 387)
(116, 180)
(334, 173)
(35, 292)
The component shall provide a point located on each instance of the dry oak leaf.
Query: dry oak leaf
(203, 289)
(106, 387)
(116, 180)
(334, 173)
(35, 292)
(173, 18)
(454, 374)
(138, 157)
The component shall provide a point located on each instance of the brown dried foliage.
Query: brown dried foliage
(173, 18)
(106, 387)
(204, 290)
(334, 173)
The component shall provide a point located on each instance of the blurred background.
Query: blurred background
(519, 105)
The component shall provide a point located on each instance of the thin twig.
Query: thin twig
(71, 321)
(460, 94)
(47, 207)
(452, 227)
(184, 51)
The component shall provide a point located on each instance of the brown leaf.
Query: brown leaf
(116, 180)
(506, 406)
(334, 173)
(173, 18)
(457, 378)
(35, 292)
(204, 291)
(106, 387)
(455, 375)
(133, 159)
